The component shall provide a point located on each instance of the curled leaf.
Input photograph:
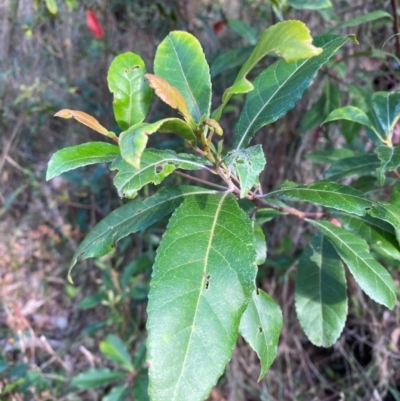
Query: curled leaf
(170, 95)
(85, 119)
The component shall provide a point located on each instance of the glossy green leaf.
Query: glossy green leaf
(352, 166)
(181, 62)
(309, 4)
(370, 275)
(321, 299)
(117, 393)
(390, 160)
(260, 326)
(132, 217)
(386, 106)
(244, 30)
(80, 155)
(381, 240)
(395, 201)
(279, 87)
(52, 6)
(362, 19)
(351, 113)
(94, 378)
(132, 95)
(115, 350)
(203, 278)
(387, 212)
(260, 245)
(289, 39)
(248, 165)
(329, 156)
(133, 141)
(327, 194)
(230, 59)
(155, 166)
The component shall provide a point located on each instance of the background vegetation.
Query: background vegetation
(50, 331)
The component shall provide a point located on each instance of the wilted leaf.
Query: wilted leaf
(170, 95)
(85, 119)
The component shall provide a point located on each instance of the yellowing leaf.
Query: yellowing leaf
(85, 119)
(170, 95)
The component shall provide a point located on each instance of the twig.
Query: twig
(396, 26)
(294, 212)
(190, 177)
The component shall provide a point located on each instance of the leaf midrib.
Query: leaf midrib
(204, 274)
(244, 136)
(358, 258)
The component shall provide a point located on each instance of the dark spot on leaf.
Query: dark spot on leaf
(125, 71)
(112, 246)
(260, 329)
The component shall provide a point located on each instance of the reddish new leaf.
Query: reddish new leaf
(94, 24)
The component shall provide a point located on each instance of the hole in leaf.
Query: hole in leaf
(260, 329)
(126, 71)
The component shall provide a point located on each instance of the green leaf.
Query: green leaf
(156, 165)
(279, 87)
(93, 378)
(181, 62)
(230, 59)
(248, 164)
(115, 350)
(386, 106)
(327, 194)
(260, 245)
(132, 95)
(351, 166)
(395, 201)
(52, 6)
(80, 155)
(371, 276)
(203, 278)
(133, 141)
(117, 393)
(390, 160)
(351, 113)
(132, 217)
(381, 240)
(329, 156)
(362, 19)
(260, 326)
(387, 212)
(321, 299)
(244, 30)
(309, 4)
(289, 39)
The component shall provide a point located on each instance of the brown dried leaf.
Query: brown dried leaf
(83, 118)
(170, 95)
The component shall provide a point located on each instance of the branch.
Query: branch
(190, 177)
(294, 212)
